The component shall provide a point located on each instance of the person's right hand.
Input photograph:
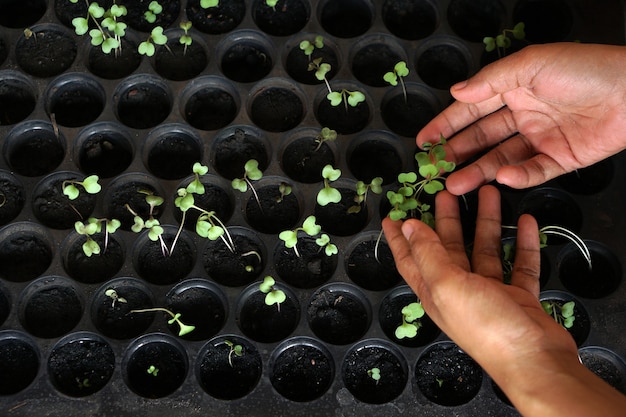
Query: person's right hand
(556, 107)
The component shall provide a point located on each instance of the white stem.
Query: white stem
(571, 236)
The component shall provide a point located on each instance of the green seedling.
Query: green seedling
(251, 173)
(89, 184)
(290, 237)
(326, 135)
(156, 37)
(93, 226)
(329, 194)
(439, 381)
(349, 98)
(205, 4)
(273, 295)
(308, 47)
(374, 373)
(183, 328)
(400, 70)
(113, 295)
(361, 193)
(411, 323)
(154, 9)
(284, 189)
(324, 243)
(152, 370)
(271, 3)
(562, 314)
(502, 41)
(186, 38)
(109, 29)
(155, 231)
(236, 350)
(82, 384)
(321, 69)
(431, 167)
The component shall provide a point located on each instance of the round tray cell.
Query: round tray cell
(274, 206)
(210, 103)
(5, 303)
(18, 96)
(74, 99)
(589, 180)
(202, 304)
(103, 148)
(112, 303)
(346, 19)
(474, 19)
(285, 18)
(245, 56)
(26, 251)
(545, 20)
(301, 369)
(301, 67)
(442, 62)
(581, 324)
(19, 14)
(119, 63)
(406, 111)
(446, 375)
(552, 207)
(235, 145)
(154, 365)
(34, 148)
(600, 281)
(53, 208)
(81, 364)
(218, 197)
(136, 9)
(369, 262)
(50, 307)
(545, 268)
(339, 313)
(606, 364)
(19, 361)
(170, 150)
(45, 50)
(309, 267)
(236, 258)
(4, 50)
(390, 317)
(228, 367)
(226, 16)
(376, 153)
(131, 189)
(142, 101)
(374, 371)
(344, 118)
(12, 197)
(410, 19)
(97, 267)
(373, 56)
(335, 218)
(303, 155)
(167, 260)
(177, 61)
(276, 105)
(267, 323)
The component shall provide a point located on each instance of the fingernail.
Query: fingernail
(459, 86)
(407, 230)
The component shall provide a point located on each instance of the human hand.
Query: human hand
(556, 107)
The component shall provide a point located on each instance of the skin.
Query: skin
(543, 111)
(536, 114)
(503, 327)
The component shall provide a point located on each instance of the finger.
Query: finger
(401, 251)
(526, 269)
(487, 246)
(448, 227)
(531, 172)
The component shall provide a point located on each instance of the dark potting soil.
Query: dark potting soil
(343, 120)
(171, 150)
(590, 180)
(276, 109)
(302, 372)
(297, 63)
(286, 18)
(180, 62)
(215, 198)
(335, 219)
(235, 147)
(19, 365)
(136, 18)
(160, 265)
(74, 100)
(441, 66)
(310, 269)
(375, 158)
(372, 61)
(104, 149)
(338, 316)
(390, 317)
(17, 98)
(408, 116)
(47, 51)
(216, 20)
(236, 268)
(210, 108)
(267, 323)
(408, 19)
(131, 191)
(446, 375)
(601, 365)
(34, 148)
(81, 367)
(12, 197)
(368, 272)
(273, 212)
(224, 374)
(97, 267)
(5, 304)
(303, 161)
(346, 19)
(117, 64)
(24, 255)
(246, 62)
(358, 364)
(472, 19)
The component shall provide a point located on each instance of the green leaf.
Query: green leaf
(185, 40)
(395, 198)
(275, 297)
(271, 3)
(568, 322)
(355, 97)
(97, 37)
(90, 184)
(157, 36)
(321, 72)
(331, 250)
(81, 25)
(490, 43)
(71, 191)
(307, 47)
(428, 171)
(433, 187)
(319, 41)
(252, 170)
(149, 16)
(155, 7)
(310, 227)
(205, 4)
(91, 247)
(438, 152)
(109, 44)
(146, 48)
(330, 173)
(335, 98)
(391, 78)
(138, 225)
(567, 310)
(95, 10)
(407, 177)
(267, 284)
(215, 232)
(406, 330)
(120, 29)
(395, 214)
(195, 187)
(401, 69)
(328, 195)
(155, 232)
(412, 312)
(186, 25)
(118, 10)
(185, 202)
(361, 188)
(547, 307)
(240, 184)
(290, 237)
(185, 328)
(203, 227)
(376, 185)
(200, 169)
(113, 225)
(518, 31)
(323, 240)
